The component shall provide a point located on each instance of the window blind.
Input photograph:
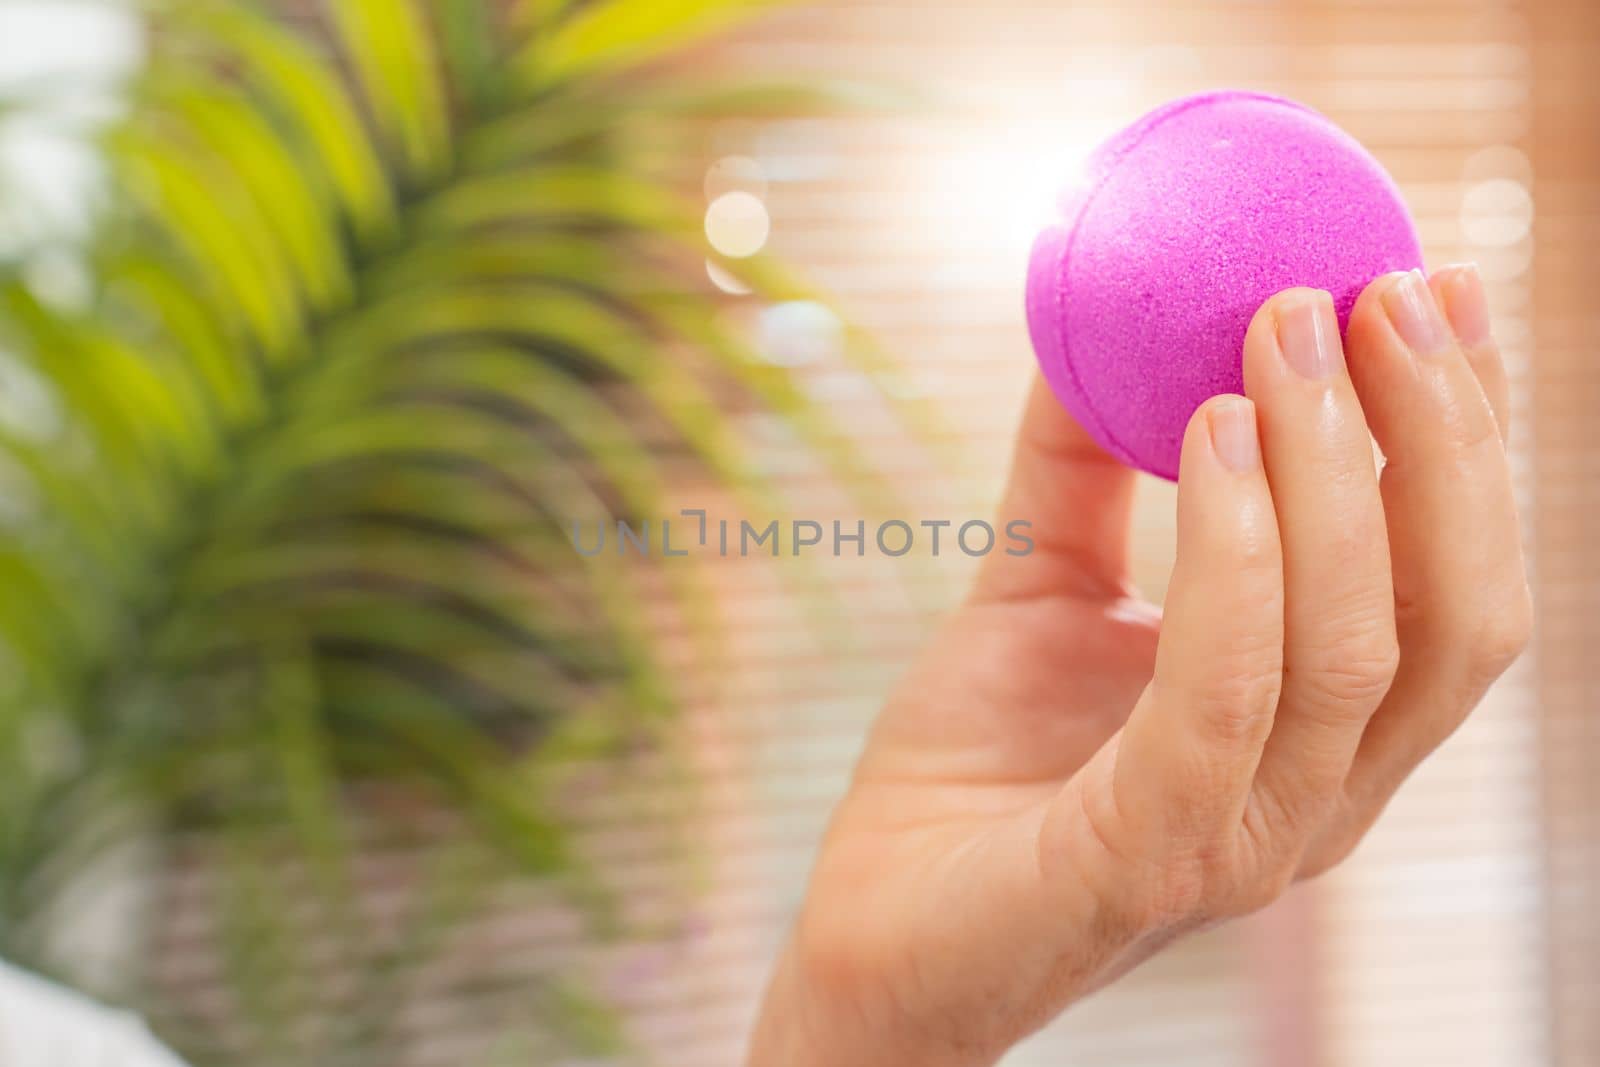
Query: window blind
(1565, 395)
(1430, 945)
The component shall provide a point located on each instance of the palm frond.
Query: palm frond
(377, 314)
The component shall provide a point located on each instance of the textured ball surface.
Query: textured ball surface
(1180, 227)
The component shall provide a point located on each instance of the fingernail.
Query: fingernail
(1309, 336)
(1232, 422)
(1415, 316)
(1465, 304)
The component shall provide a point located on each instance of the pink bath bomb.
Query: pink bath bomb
(1179, 227)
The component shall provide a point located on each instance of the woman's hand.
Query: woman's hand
(1068, 780)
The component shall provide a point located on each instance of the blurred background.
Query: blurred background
(322, 322)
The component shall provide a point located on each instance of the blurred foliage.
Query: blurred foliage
(377, 306)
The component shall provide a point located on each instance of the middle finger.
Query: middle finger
(1339, 634)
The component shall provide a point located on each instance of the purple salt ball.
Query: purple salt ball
(1179, 228)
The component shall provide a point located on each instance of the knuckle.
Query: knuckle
(1238, 706)
(1270, 838)
(1268, 827)
(1213, 883)
(1235, 699)
(1504, 633)
(1357, 669)
(1227, 881)
(1140, 890)
(1171, 894)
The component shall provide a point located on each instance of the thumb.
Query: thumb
(1076, 501)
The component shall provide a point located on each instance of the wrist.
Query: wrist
(810, 1018)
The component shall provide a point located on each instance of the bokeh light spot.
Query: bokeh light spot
(722, 279)
(737, 224)
(1496, 213)
(799, 332)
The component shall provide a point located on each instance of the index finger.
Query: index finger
(1077, 500)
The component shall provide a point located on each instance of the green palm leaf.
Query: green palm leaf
(378, 313)
(611, 34)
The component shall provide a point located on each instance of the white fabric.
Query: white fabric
(43, 1025)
